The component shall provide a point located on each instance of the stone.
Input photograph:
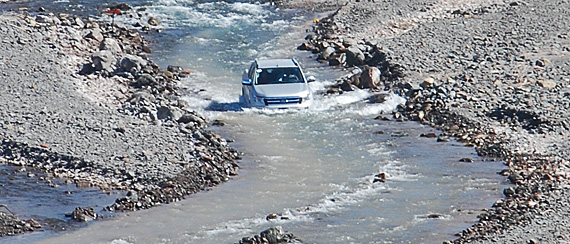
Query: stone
(144, 80)
(379, 178)
(370, 78)
(44, 19)
(509, 191)
(429, 135)
(95, 34)
(326, 53)
(83, 214)
(141, 96)
(152, 21)
(337, 59)
(168, 113)
(271, 217)
(190, 117)
(466, 160)
(103, 61)
(442, 138)
(354, 56)
(273, 234)
(546, 83)
(111, 45)
(428, 82)
(79, 23)
(378, 98)
(132, 63)
(347, 86)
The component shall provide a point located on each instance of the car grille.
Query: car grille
(282, 100)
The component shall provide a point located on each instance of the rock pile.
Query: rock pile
(272, 235)
(11, 225)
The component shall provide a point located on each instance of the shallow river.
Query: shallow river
(313, 167)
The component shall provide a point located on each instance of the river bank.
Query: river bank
(82, 101)
(493, 74)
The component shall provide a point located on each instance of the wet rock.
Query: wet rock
(466, 160)
(443, 138)
(378, 98)
(379, 178)
(152, 21)
(83, 214)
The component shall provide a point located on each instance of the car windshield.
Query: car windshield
(279, 76)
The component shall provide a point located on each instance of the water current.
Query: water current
(313, 167)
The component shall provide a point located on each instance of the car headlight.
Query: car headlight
(259, 98)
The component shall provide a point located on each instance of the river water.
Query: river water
(314, 168)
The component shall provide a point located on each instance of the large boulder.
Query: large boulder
(370, 78)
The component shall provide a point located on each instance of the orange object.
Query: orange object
(115, 11)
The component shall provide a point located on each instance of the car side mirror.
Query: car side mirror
(246, 81)
(311, 79)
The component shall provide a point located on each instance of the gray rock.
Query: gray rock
(144, 80)
(354, 56)
(112, 45)
(103, 61)
(274, 234)
(370, 78)
(132, 63)
(326, 54)
(378, 98)
(95, 34)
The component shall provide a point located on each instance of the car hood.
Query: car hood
(283, 90)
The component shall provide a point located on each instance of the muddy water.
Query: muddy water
(315, 168)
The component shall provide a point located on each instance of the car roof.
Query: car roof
(274, 63)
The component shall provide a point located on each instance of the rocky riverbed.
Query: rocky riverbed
(82, 101)
(493, 74)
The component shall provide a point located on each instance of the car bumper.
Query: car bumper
(283, 102)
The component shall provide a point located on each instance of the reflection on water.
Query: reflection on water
(26, 194)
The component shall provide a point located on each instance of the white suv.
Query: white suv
(276, 83)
